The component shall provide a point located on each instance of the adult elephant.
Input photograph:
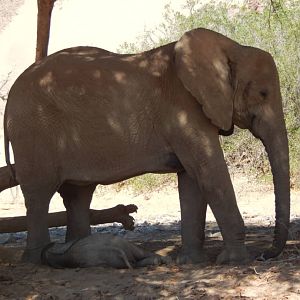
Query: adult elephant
(84, 116)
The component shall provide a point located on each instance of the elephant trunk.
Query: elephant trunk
(276, 144)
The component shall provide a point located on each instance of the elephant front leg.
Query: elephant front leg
(193, 213)
(77, 201)
(206, 165)
(219, 193)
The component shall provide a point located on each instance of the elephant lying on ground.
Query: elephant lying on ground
(85, 116)
(99, 249)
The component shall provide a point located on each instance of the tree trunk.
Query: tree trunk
(119, 214)
(43, 27)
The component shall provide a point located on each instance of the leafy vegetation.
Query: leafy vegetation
(149, 182)
(276, 29)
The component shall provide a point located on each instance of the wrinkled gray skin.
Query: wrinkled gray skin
(98, 249)
(85, 116)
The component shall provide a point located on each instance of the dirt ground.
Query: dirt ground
(277, 279)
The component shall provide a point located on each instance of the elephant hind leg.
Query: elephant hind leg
(77, 200)
(37, 199)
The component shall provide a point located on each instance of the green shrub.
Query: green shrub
(151, 182)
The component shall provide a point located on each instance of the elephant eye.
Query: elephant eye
(264, 93)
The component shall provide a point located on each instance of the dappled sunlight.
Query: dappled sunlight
(153, 62)
(222, 73)
(89, 58)
(87, 51)
(115, 125)
(130, 57)
(188, 127)
(143, 64)
(160, 62)
(184, 44)
(183, 49)
(221, 69)
(46, 80)
(120, 77)
(182, 118)
(77, 90)
(97, 74)
(40, 109)
(75, 136)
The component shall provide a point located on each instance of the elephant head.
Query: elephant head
(239, 85)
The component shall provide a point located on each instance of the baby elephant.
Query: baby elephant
(99, 250)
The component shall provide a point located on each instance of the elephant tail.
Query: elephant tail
(7, 174)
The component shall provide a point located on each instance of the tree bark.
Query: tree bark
(119, 214)
(43, 27)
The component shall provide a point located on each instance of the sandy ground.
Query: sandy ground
(277, 279)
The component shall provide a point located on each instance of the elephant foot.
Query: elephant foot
(191, 257)
(154, 260)
(32, 255)
(234, 255)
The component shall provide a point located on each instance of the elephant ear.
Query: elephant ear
(205, 71)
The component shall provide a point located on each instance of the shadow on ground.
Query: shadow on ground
(276, 278)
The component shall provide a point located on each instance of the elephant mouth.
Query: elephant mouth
(227, 132)
(253, 127)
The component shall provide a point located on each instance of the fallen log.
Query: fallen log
(119, 214)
